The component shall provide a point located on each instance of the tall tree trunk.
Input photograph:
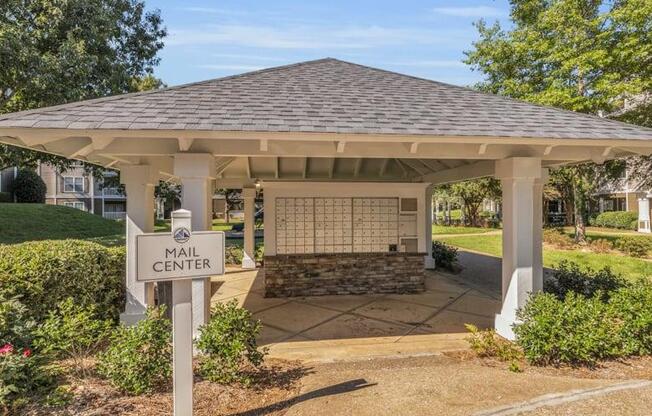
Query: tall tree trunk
(580, 226)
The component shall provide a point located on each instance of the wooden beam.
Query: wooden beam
(383, 167)
(185, 144)
(276, 167)
(419, 170)
(400, 165)
(414, 147)
(547, 150)
(460, 173)
(340, 146)
(264, 145)
(483, 148)
(356, 169)
(248, 165)
(304, 173)
(331, 168)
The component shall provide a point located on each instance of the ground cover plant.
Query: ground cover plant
(228, 345)
(445, 255)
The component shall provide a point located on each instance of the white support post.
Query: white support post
(522, 185)
(196, 171)
(644, 215)
(429, 261)
(139, 181)
(248, 259)
(182, 331)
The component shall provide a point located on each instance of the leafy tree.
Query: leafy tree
(29, 187)
(233, 200)
(472, 193)
(54, 52)
(588, 56)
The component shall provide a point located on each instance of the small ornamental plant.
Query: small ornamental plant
(22, 373)
(228, 345)
(138, 359)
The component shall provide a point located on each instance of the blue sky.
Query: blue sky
(209, 39)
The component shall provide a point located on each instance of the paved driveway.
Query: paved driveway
(369, 322)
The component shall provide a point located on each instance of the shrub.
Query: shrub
(569, 331)
(29, 187)
(138, 358)
(616, 219)
(489, 344)
(44, 273)
(630, 311)
(15, 327)
(601, 245)
(557, 238)
(6, 197)
(72, 331)
(233, 254)
(227, 343)
(22, 374)
(634, 246)
(568, 277)
(445, 256)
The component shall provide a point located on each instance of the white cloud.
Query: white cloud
(249, 57)
(310, 37)
(212, 10)
(470, 11)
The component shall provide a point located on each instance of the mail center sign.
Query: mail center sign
(179, 255)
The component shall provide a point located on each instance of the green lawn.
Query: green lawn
(629, 267)
(447, 229)
(218, 225)
(27, 222)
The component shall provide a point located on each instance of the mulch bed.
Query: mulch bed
(271, 394)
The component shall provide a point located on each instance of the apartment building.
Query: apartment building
(78, 189)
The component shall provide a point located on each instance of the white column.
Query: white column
(196, 171)
(139, 181)
(644, 215)
(522, 271)
(248, 259)
(429, 262)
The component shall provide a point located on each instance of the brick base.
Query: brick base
(343, 274)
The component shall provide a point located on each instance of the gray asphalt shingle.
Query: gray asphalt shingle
(327, 96)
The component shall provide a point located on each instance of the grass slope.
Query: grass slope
(27, 222)
(629, 267)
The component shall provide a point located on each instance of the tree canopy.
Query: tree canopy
(58, 51)
(592, 56)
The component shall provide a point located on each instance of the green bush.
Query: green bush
(617, 219)
(630, 311)
(569, 277)
(233, 253)
(634, 246)
(569, 331)
(44, 273)
(6, 197)
(29, 187)
(22, 374)
(486, 343)
(601, 245)
(15, 326)
(139, 358)
(72, 331)
(445, 256)
(228, 343)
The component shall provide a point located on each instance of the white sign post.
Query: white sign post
(179, 257)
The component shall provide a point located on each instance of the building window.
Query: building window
(76, 205)
(73, 184)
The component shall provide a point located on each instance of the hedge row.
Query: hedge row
(42, 274)
(625, 220)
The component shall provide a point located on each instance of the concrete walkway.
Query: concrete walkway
(331, 328)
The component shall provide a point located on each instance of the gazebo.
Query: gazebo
(347, 156)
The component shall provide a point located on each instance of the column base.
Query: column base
(429, 263)
(505, 326)
(248, 262)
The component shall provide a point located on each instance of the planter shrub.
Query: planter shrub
(569, 277)
(445, 256)
(29, 187)
(22, 375)
(138, 359)
(6, 197)
(557, 238)
(16, 328)
(228, 344)
(42, 274)
(630, 310)
(617, 219)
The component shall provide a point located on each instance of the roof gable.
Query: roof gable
(326, 96)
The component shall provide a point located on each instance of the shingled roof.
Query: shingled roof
(326, 96)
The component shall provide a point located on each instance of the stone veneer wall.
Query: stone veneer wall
(343, 274)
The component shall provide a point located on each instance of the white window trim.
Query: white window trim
(74, 179)
(76, 205)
